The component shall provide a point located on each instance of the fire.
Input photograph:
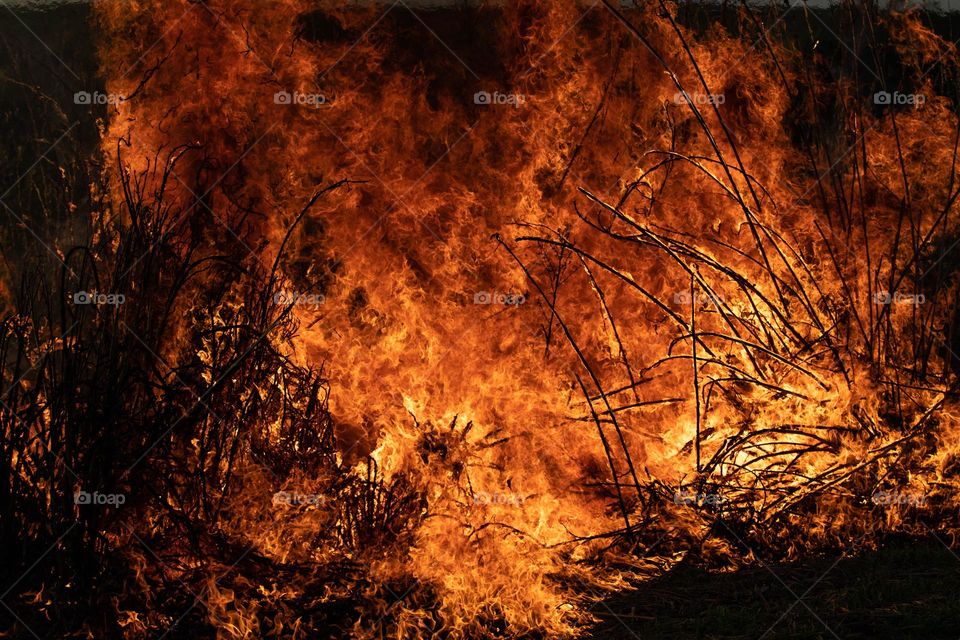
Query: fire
(574, 289)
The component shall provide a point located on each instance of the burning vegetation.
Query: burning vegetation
(326, 321)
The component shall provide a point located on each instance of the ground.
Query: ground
(903, 591)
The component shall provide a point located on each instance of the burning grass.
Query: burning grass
(378, 336)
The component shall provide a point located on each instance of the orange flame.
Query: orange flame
(450, 288)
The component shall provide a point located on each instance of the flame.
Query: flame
(485, 282)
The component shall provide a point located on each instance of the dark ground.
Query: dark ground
(904, 591)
